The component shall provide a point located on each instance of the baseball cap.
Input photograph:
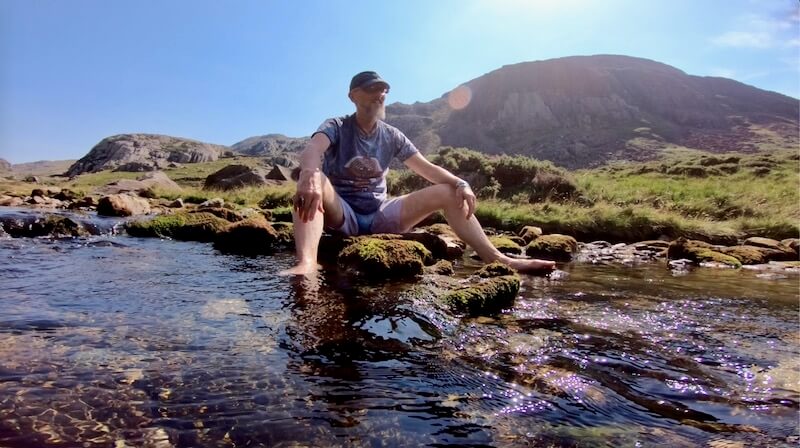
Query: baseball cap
(365, 79)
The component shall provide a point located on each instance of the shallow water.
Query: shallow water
(118, 341)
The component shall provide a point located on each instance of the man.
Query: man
(342, 184)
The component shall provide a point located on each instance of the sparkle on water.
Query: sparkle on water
(118, 341)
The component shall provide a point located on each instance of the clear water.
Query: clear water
(118, 341)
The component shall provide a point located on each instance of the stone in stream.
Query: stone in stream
(122, 205)
(379, 258)
(180, 226)
(56, 226)
(699, 252)
(554, 246)
(251, 236)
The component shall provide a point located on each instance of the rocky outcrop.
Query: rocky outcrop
(275, 148)
(138, 152)
(5, 166)
(48, 225)
(584, 110)
(236, 176)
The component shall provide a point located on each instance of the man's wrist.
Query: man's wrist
(461, 183)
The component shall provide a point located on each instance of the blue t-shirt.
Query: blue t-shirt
(356, 164)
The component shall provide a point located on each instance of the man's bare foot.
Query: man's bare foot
(529, 265)
(301, 269)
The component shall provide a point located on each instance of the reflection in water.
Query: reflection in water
(130, 342)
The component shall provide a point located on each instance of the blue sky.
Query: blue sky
(74, 72)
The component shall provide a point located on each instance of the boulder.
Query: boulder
(530, 233)
(236, 176)
(747, 254)
(177, 203)
(378, 258)
(157, 180)
(699, 252)
(554, 247)
(440, 246)
(252, 236)
(455, 246)
(122, 205)
(489, 296)
(180, 226)
(138, 166)
(33, 179)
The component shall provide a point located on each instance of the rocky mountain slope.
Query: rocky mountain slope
(276, 148)
(585, 110)
(144, 152)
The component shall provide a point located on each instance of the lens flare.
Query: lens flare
(459, 97)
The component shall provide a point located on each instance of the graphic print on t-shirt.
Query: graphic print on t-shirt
(363, 170)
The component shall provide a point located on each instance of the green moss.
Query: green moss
(180, 226)
(699, 252)
(553, 247)
(441, 267)
(487, 297)
(505, 245)
(380, 258)
(746, 254)
(252, 236)
(495, 269)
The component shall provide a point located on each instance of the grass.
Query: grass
(757, 194)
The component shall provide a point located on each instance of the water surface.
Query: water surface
(119, 341)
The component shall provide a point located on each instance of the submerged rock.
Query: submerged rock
(385, 258)
(49, 225)
(486, 297)
(495, 269)
(555, 247)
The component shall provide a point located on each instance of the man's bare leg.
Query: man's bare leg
(420, 204)
(308, 233)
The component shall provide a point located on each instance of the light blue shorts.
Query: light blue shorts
(385, 220)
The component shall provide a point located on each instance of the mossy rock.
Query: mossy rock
(495, 269)
(699, 252)
(221, 212)
(440, 229)
(385, 258)
(180, 226)
(441, 267)
(747, 254)
(505, 245)
(530, 233)
(554, 247)
(487, 297)
(252, 236)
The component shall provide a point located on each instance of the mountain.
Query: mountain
(583, 111)
(42, 167)
(144, 152)
(276, 148)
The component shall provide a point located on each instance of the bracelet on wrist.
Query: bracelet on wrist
(462, 184)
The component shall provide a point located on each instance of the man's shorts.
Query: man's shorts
(385, 220)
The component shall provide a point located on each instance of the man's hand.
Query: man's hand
(308, 198)
(466, 197)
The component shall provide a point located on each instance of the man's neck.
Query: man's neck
(366, 124)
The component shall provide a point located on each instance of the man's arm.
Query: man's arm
(308, 198)
(438, 175)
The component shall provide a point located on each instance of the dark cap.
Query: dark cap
(365, 79)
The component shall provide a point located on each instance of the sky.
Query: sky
(74, 72)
